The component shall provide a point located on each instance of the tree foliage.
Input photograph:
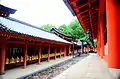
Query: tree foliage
(74, 29)
(47, 27)
(65, 29)
(95, 43)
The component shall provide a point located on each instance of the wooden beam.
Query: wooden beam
(73, 1)
(80, 6)
(28, 38)
(87, 10)
(90, 13)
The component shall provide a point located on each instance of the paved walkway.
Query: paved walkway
(18, 72)
(91, 67)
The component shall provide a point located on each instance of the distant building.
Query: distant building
(61, 34)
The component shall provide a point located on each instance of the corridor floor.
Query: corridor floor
(91, 67)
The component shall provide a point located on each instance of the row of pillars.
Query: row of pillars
(113, 32)
(3, 54)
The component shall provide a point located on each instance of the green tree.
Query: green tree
(47, 27)
(65, 29)
(74, 29)
(95, 43)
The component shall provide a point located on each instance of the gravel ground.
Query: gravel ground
(53, 71)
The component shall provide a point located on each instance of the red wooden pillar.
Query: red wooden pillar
(87, 48)
(95, 49)
(98, 41)
(102, 40)
(2, 57)
(48, 53)
(113, 31)
(25, 56)
(84, 49)
(69, 50)
(101, 26)
(39, 55)
(55, 51)
(65, 51)
(60, 52)
(73, 50)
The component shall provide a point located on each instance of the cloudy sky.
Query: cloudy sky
(40, 12)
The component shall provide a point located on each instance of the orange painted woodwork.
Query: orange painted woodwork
(60, 51)
(39, 55)
(101, 26)
(2, 57)
(69, 51)
(98, 43)
(55, 51)
(113, 32)
(73, 50)
(102, 40)
(25, 56)
(28, 38)
(65, 51)
(48, 53)
(91, 16)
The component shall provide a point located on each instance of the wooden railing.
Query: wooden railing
(30, 58)
(14, 60)
(52, 55)
(57, 54)
(44, 56)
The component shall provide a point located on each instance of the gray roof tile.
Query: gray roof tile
(25, 28)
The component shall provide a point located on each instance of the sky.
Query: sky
(40, 12)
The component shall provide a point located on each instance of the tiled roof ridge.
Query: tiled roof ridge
(61, 32)
(7, 9)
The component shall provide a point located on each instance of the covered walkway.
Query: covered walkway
(100, 19)
(19, 72)
(91, 67)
